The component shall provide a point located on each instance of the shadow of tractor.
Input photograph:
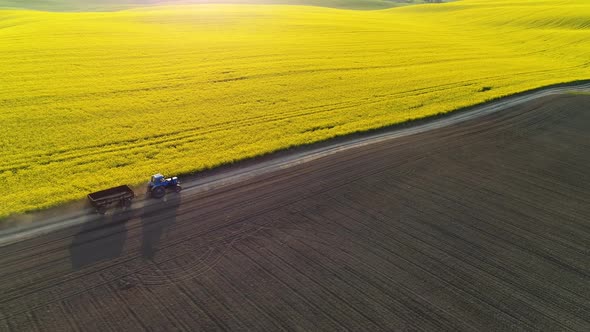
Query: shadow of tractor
(100, 239)
(157, 222)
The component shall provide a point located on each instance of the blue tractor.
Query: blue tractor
(158, 185)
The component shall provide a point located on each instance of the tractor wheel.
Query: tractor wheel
(158, 192)
(177, 189)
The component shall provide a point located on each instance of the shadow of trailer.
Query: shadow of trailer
(100, 200)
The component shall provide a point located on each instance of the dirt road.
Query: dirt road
(480, 225)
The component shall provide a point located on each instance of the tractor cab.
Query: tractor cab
(156, 180)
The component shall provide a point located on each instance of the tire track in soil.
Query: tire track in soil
(298, 282)
(459, 252)
(348, 254)
(401, 267)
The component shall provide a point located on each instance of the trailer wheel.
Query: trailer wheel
(158, 192)
(101, 209)
(177, 189)
(126, 202)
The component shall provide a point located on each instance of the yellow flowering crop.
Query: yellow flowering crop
(93, 100)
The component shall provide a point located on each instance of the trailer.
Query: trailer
(102, 199)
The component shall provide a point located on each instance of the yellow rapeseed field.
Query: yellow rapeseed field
(93, 100)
